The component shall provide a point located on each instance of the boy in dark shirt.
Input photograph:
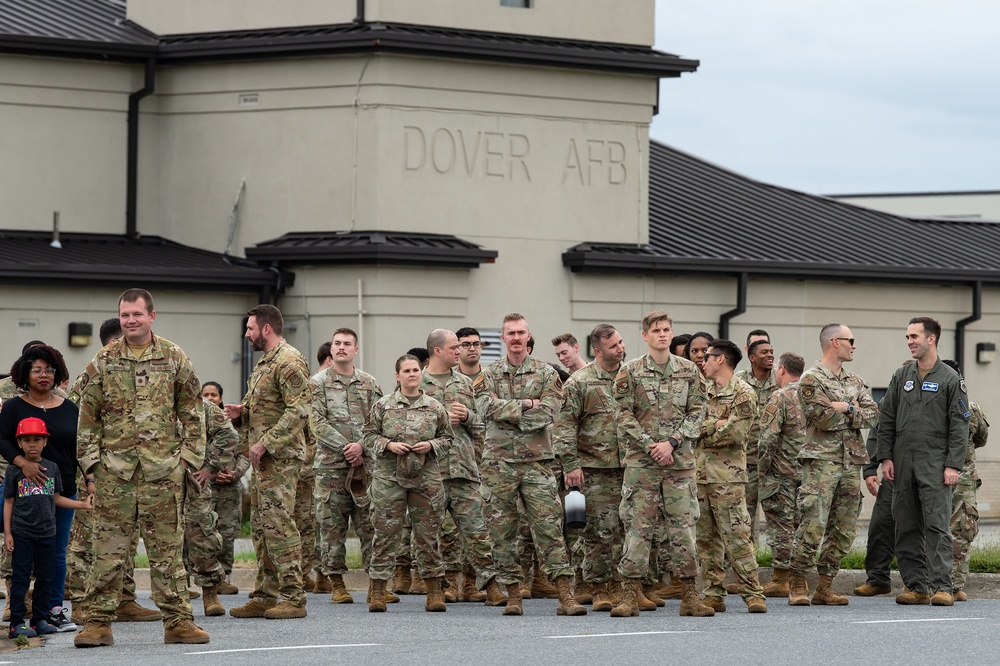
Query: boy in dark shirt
(29, 519)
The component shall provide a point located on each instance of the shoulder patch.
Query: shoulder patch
(479, 385)
(621, 387)
(807, 392)
(745, 409)
(961, 385)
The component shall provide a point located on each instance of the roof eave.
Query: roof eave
(368, 255)
(71, 48)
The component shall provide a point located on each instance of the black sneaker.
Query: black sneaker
(42, 627)
(21, 630)
(58, 619)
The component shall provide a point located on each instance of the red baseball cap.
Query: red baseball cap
(31, 426)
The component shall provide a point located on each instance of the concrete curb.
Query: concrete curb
(978, 586)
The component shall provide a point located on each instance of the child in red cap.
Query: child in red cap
(29, 520)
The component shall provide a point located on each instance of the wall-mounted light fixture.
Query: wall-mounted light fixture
(986, 352)
(80, 333)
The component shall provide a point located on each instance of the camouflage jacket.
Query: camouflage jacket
(276, 406)
(782, 434)
(764, 388)
(460, 461)
(829, 434)
(657, 405)
(339, 413)
(395, 419)
(979, 431)
(586, 434)
(224, 449)
(721, 451)
(140, 411)
(513, 435)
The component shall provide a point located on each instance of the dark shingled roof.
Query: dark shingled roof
(99, 28)
(371, 247)
(771, 231)
(26, 257)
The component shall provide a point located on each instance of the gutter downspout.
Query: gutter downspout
(741, 307)
(360, 18)
(977, 313)
(132, 161)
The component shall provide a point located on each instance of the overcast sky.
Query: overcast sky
(837, 97)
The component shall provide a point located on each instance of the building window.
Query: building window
(515, 3)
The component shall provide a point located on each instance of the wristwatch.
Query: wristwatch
(850, 409)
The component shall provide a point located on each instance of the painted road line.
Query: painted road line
(928, 619)
(631, 633)
(289, 647)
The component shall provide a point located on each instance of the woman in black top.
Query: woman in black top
(37, 372)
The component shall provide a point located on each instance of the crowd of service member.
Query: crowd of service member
(453, 480)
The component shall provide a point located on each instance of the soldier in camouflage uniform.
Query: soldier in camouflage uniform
(965, 507)
(586, 440)
(782, 433)
(724, 524)
(272, 420)
(837, 404)
(407, 434)
(761, 378)
(140, 426)
(519, 397)
(460, 469)
(201, 534)
(342, 398)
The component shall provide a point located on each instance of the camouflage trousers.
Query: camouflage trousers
(204, 544)
(464, 504)
(829, 501)
(724, 530)
(964, 528)
(599, 543)
(273, 528)
(227, 502)
(80, 556)
(305, 518)
(119, 508)
(781, 518)
(659, 511)
(336, 509)
(391, 503)
(753, 497)
(450, 543)
(535, 484)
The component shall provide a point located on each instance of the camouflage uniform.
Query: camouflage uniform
(517, 462)
(658, 504)
(409, 482)
(965, 508)
(275, 414)
(227, 498)
(764, 388)
(724, 524)
(832, 455)
(461, 479)
(139, 419)
(304, 512)
(782, 434)
(204, 543)
(340, 408)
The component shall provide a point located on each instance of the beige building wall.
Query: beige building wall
(597, 20)
(971, 205)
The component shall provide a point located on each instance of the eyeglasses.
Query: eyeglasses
(43, 371)
(474, 345)
(708, 356)
(847, 340)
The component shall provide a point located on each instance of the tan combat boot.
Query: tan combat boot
(225, 587)
(388, 597)
(323, 584)
(718, 604)
(210, 601)
(798, 590)
(94, 634)
(513, 606)
(672, 590)
(338, 591)
(541, 586)
(647, 591)
(733, 588)
(567, 604)
(778, 585)
(943, 598)
(193, 594)
(824, 594)
(602, 602)
(960, 595)
(286, 610)
(756, 605)
(131, 611)
(401, 581)
(910, 598)
(185, 631)
(582, 591)
(308, 585)
(418, 586)
(256, 607)
(452, 591)
(376, 596)
(615, 592)
(645, 603)
(469, 591)
(435, 596)
(629, 604)
(869, 590)
(691, 604)
(494, 595)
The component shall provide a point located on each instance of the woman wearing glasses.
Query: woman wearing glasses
(39, 370)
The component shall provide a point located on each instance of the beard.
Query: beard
(258, 343)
